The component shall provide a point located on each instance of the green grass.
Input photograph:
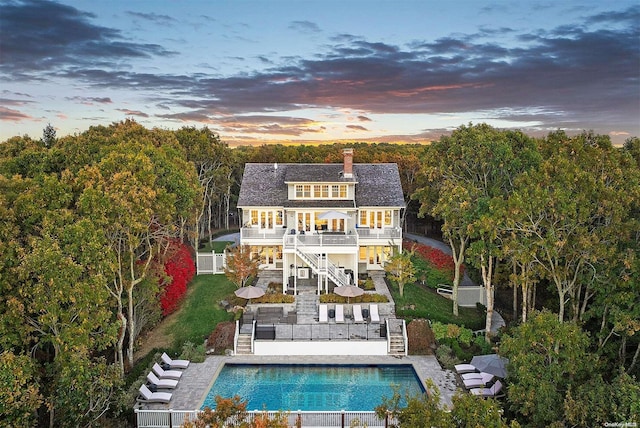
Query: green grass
(200, 312)
(430, 305)
(217, 246)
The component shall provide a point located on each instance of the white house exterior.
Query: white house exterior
(324, 221)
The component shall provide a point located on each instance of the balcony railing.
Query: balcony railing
(257, 233)
(321, 240)
(389, 233)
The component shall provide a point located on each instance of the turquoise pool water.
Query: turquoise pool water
(312, 387)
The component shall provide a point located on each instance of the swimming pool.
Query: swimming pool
(313, 387)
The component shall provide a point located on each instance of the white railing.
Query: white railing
(257, 233)
(253, 334)
(405, 338)
(340, 419)
(236, 334)
(389, 233)
(386, 321)
(319, 264)
(321, 240)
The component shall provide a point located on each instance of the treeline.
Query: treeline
(90, 223)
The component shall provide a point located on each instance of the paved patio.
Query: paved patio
(198, 378)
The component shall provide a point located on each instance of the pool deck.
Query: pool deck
(198, 378)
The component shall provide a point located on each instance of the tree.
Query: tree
(546, 359)
(471, 411)
(49, 136)
(19, 390)
(232, 412)
(400, 269)
(241, 265)
(468, 174)
(573, 224)
(420, 411)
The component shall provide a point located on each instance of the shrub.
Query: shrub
(446, 358)
(221, 338)
(192, 352)
(274, 298)
(441, 263)
(365, 298)
(179, 270)
(420, 337)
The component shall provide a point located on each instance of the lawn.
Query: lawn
(200, 312)
(216, 246)
(422, 302)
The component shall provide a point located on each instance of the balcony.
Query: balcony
(389, 233)
(257, 233)
(321, 240)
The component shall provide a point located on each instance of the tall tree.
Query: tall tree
(573, 223)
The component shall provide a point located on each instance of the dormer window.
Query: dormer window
(321, 191)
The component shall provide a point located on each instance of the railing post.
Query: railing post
(386, 419)
(343, 419)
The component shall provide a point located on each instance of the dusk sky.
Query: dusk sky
(309, 71)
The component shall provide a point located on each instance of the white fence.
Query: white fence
(210, 263)
(468, 296)
(175, 418)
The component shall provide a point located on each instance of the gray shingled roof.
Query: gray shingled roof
(263, 185)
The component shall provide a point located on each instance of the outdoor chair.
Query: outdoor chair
(357, 314)
(374, 314)
(166, 374)
(472, 375)
(161, 383)
(339, 314)
(482, 382)
(465, 368)
(494, 391)
(323, 314)
(174, 364)
(147, 396)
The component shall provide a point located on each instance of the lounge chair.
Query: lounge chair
(166, 374)
(357, 314)
(494, 391)
(465, 368)
(174, 364)
(339, 314)
(473, 375)
(161, 383)
(483, 382)
(147, 396)
(373, 313)
(323, 314)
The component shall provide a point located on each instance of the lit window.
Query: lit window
(254, 216)
(363, 217)
(387, 217)
(343, 191)
(306, 191)
(298, 191)
(325, 190)
(335, 191)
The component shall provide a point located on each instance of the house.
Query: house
(325, 221)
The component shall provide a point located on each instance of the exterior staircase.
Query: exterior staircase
(396, 346)
(322, 266)
(307, 308)
(244, 344)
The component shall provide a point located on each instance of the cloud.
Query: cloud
(356, 128)
(41, 37)
(153, 17)
(90, 100)
(132, 112)
(11, 115)
(304, 26)
(363, 119)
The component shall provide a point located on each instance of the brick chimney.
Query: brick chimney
(348, 163)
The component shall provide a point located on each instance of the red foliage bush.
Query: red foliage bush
(436, 258)
(180, 269)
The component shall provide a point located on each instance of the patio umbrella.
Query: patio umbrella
(348, 291)
(249, 292)
(491, 363)
(328, 215)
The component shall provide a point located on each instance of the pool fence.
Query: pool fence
(306, 419)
